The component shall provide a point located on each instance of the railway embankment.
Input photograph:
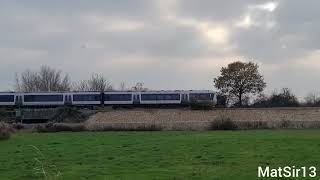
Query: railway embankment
(103, 119)
(185, 119)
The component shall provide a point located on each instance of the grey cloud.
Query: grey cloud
(137, 8)
(300, 19)
(294, 35)
(161, 40)
(215, 10)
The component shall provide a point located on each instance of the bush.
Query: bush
(283, 99)
(221, 101)
(5, 115)
(201, 105)
(285, 124)
(69, 115)
(18, 126)
(5, 131)
(2, 114)
(223, 123)
(59, 127)
(226, 123)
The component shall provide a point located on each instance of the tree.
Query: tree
(123, 86)
(97, 82)
(221, 100)
(139, 87)
(82, 86)
(45, 80)
(239, 79)
(312, 99)
(283, 99)
(262, 100)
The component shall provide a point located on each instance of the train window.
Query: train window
(86, 97)
(168, 97)
(200, 96)
(175, 97)
(148, 97)
(117, 97)
(6, 98)
(43, 98)
(160, 97)
(172, 97)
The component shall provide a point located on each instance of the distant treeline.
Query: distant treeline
(284, 98)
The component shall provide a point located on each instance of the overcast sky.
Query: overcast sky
(167, 44)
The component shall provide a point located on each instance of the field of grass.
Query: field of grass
(156, 155)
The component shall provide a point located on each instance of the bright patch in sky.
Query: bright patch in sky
(270, 6)
(216, 33)
(245, 22)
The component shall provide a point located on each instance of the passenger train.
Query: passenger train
(106, 98)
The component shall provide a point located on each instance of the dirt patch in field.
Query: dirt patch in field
(187, 119)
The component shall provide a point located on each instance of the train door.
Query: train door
(16, 100)
(136, 98)
(67, 99)
(184, 98)
(70, 99)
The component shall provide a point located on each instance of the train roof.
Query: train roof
(45, 92)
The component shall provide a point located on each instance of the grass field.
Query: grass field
(157, 155)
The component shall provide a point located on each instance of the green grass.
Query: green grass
(158, 155)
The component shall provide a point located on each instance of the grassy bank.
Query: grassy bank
(160, 155)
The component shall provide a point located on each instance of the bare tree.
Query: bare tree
(97, 82)
(82, 86)
(29, 81)
(139, 87)
(46, 80)
(123, 86)
(17, 84)
(312, 99)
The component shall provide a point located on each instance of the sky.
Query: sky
(167, 44)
